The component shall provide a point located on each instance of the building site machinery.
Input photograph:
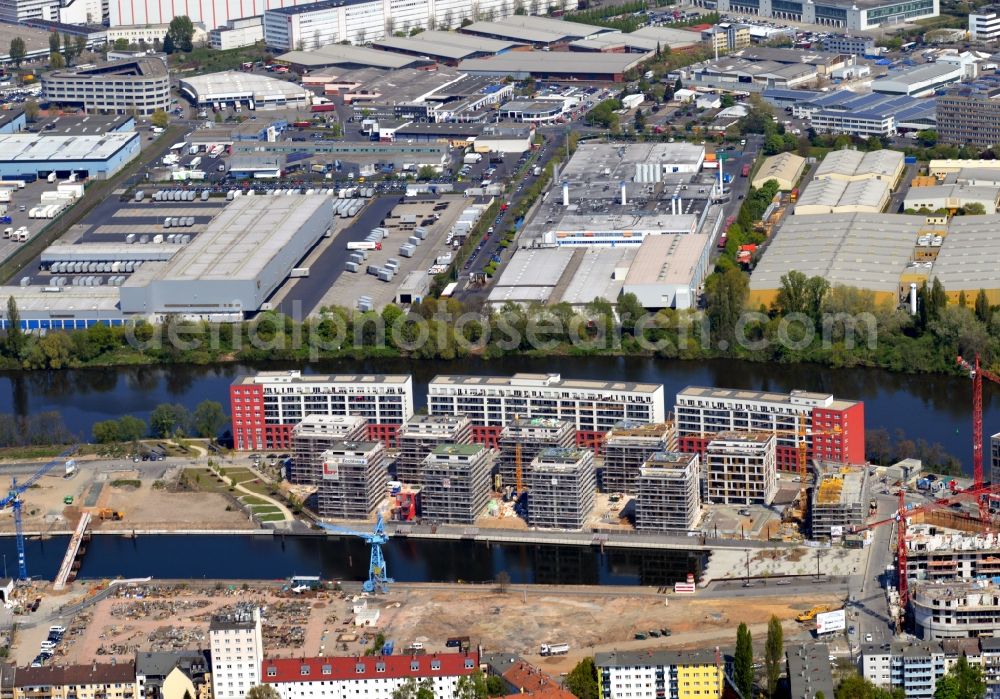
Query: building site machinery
(977, 373)
(14, 500)
(378, 579)
(106, 513)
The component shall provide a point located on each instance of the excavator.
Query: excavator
(106, 513)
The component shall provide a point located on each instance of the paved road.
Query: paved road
(304, 296)
(868, 610)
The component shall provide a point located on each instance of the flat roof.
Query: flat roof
(234, 83)
(809, 670)
(798, 397)
(553, 381)
(868, 251)
(450, 45)
(70, 299)
(534, 267)
(836, 193)
(667, 259)
(457, 449)
(968, 256)
(962, 192)
(919, 74)
(534, 29)
(549, 62)
(342, 54)
(655, 658)
(240, 241)
(297, 377)
(35, 147)
(144, 67)
(852, 163)
(595, 274)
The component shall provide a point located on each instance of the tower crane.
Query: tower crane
(976, 373)
(378, 580)
(13, 499)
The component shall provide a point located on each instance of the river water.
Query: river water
(935, 408)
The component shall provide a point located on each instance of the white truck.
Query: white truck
(554, 649)
(472, 158)
(364, 245)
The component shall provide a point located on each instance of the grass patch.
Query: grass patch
(253, 500)
(126, 483)
(259, 487)
(201, 480)
(271, 518)
(264, 509)
(239, 475)
(40, 451)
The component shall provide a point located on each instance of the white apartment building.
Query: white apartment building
(237, 653)
(375, 677)
(984, 23)
(14, 11)
(266, 406)
(741, 468)
(299, 25)
(139, 86)
(237, 33)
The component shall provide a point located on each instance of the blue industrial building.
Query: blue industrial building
(97, 156)
(12, 122)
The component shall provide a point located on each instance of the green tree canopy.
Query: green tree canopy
(263, 691)
(963, 681)
(856, 687)
(17, 51)
(743, 661)
(582, 679)
(774, 654)
(181, 33)
(208, 419)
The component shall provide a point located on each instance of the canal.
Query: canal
(933, 408)
(265, 557)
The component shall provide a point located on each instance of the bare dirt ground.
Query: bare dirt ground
(163, 617)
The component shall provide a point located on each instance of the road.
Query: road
(867, 608)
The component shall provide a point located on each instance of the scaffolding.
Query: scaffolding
(627, 447)
(419, 436)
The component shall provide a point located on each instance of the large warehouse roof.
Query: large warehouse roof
(533, 30)
(30, 147)
(668, 259)
(344, 55)
(241, 240)
(232, 84)
(843, 196)
(968, 257)
(645, 39)
(784, 168)
(869, 251)
(447, 45)
(852, 164)
(551, 63)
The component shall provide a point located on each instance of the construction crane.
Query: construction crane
(518, 471)
(378, 580)
(976, 373)
(14, 500)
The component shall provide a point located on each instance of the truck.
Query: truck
(472, 158)
(195, 162)
(553, 649)
(745, 172)
(794, 196)
(299, 272)
(364, 245)
(537, 170)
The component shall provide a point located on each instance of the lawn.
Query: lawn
(271, 518)
(253, 500)
(203, 480)
(259, 487)
(264, 509)
(239, 475)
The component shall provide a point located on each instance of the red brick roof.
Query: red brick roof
(281, 670)
(528, 680)
(60, 675)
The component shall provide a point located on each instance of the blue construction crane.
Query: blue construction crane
(377, 580)
(14, 500)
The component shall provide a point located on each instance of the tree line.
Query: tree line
(167, 421)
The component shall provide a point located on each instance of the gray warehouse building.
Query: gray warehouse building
(237, 262)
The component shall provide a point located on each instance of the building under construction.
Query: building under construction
(741, 468)
(932, 555)
(456, 483)
(561, 485)
(418, 437)
(627, 447)
(533, 434)
(840, 501)
(353, 480)
(668, 492)
(314, 435)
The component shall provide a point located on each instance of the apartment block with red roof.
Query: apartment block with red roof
(371, 677)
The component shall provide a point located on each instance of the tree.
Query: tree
(15, 336)
(106, 432)
(160, 119)
(471, 686)
(426, 172)
(56, 61)
(121, 45)
(725, 297)
(503, 582)
(263, 691)
(55, 42)
(131, 428)
(166, 420)
(411, 689)
(743, 661)
(81, 44)
(983, 310)
(181, 33)
(774, 654)
(801, 294)
(69, 48)
(18, 51)
(974, 209)
(640, 120)
(495, 686)
(857, 687)
(208, 419)
(963, 681)
(582, 679)
(466, 22)
(629, 311)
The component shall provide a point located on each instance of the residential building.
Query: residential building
(840, 14)
(741, 468)
(314, 435)
(89, 681)
(951, 609)
(237, 33)
(726, 37)
(914, 667)
(592, 406)
(418, 437)
(237, 647)
(353, 480)
(660, 674)
(140, 86)
(456, 483)
(855, 45)
(171, 675)
(15, 11)
(373, 676)
(525, 681)
(561, 486)
(627, 447)
(990, 650)
(531, 435)
(970, 113)
(668, 492)
(266, 406)
(833, 428)
(984, 23)
(808, 667)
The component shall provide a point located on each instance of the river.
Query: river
(935, 408)
(265, 557)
